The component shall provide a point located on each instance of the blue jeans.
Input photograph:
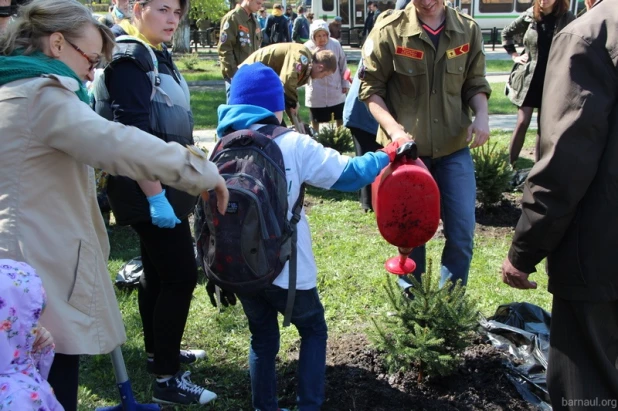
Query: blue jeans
(308, 318)
(454, 175)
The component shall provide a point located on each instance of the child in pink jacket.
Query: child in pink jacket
(26, 349)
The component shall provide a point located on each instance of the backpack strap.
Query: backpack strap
(298, 206)
(154, 75)
(273, 131)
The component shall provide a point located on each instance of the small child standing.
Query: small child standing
(26, 348)
(257, 99)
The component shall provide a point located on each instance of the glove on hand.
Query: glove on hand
(227, 298)
(161, 212)
(391, 148)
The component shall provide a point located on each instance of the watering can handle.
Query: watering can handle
(409, 150)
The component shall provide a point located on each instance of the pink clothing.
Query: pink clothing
(327, 91)
(23, 371)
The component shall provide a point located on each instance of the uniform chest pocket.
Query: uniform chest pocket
(411, 76)
(454, 78)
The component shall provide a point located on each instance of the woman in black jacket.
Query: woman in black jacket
(277, 26)
(538, 25)
(142, 87)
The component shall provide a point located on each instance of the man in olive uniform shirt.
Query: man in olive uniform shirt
(239, 37)
(295, 64)
(424, 71)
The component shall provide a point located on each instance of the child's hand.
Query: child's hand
(43, 339)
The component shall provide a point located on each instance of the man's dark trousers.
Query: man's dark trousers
(583, 355)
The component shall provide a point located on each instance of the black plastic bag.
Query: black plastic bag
(522, 329)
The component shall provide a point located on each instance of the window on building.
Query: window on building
(523, 5)
(359, 13)
(496, 6)
(344, 11)
(466, 7)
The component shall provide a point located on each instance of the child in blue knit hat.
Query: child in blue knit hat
(256, 99)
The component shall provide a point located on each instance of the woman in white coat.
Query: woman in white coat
(325, 97)
(50, 140)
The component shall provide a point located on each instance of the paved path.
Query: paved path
(206, 138)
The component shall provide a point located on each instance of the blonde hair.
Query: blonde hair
(41, 18)
(182, 3)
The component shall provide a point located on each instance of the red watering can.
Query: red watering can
(406, 202)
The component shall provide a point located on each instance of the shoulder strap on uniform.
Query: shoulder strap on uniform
(154, 76)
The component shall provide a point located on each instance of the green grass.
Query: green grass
(499, 103)
(204, 107)
(498, 66)
(205, 70)
(350, 255)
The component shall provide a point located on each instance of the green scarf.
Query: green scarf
(17, 66)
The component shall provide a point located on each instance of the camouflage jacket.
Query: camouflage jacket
(240, 36)
(426, 90)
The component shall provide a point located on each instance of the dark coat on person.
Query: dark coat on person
(571, 195)
(521, 74)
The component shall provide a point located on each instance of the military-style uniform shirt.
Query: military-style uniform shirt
(426, 90)
(240, 36)
(291, 61)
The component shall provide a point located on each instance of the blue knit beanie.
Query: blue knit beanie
(258, 85)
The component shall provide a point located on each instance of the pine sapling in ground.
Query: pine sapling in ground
(337, 138)
(429, 328)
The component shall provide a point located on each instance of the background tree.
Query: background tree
(212, 9)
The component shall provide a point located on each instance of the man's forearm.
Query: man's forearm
(479, 105)
(377, 108)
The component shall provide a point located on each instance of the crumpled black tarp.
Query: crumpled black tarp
(522, 329)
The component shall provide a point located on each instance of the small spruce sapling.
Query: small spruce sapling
(430, 327)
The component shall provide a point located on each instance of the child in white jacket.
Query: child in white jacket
(256, 99)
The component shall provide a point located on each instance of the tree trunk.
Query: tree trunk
(182, 38)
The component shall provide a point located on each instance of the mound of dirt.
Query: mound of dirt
(357, 380)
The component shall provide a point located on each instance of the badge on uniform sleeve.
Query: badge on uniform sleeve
(226, 25)
(223, 37)
(368, 47)
(458, 51)
(361, 72)
(303, 59)
(410, 53)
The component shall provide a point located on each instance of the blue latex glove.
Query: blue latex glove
(161, 211)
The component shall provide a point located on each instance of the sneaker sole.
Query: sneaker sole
(159, 401)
